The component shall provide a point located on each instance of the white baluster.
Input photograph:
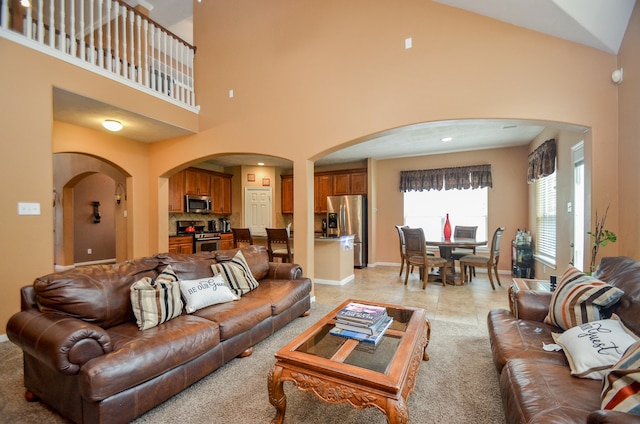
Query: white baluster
(181, 48)
(52, 28)
(100, 36)
(191, 78)
(92, 47)
(165, 60)
(28, 30)
(152, 73)
(131, 64)
(109, 47)
(138, 64)
(40, 21)
(72, 30)
(116, 42)
(63, 31)
(146, 53)
(82, 44)
(125, 13)
(4, 13)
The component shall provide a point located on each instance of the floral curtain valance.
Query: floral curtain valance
(542, 161)
(462, 177)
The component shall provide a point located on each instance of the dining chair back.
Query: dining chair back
(242, 237)
(491, 262)
(279, 245)
(417, 256)
(464, 232)
(403, 258)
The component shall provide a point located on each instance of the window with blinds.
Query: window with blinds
(546, 218)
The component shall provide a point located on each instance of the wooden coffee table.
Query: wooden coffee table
(339, 370)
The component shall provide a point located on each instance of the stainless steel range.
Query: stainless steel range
(203, 241)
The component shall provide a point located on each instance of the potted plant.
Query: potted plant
(601, 237)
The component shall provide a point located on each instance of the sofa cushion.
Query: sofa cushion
(205, 292)
(542, 392)
(578, 299)
(236, 317)
(139, 356)
(190, 267)
(594, 347)
(621, 386)
(98, 294)
(513, 338)
(282, 294)
(156, 300)
(236, 274)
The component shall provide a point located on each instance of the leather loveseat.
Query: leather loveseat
(536, 385)
(85, 356)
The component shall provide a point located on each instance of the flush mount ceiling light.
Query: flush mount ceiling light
(112, 125)
(446, 139)
(25, 3)
(260, 163)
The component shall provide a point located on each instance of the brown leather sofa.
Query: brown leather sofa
(536, 385)
(85, 356)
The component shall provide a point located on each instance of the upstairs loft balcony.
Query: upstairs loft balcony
(107, 37)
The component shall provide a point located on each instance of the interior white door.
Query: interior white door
(257, 209)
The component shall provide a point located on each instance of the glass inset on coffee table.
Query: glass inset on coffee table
(342, 370)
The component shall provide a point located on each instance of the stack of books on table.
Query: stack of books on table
(365, 323)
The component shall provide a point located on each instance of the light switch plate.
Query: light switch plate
(28, 208)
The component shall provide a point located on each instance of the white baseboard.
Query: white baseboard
(334, 282)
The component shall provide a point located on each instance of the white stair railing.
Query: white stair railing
(111, 36)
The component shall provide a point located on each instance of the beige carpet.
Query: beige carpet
(458, 385)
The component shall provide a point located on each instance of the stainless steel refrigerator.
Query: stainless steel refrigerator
(348, 215)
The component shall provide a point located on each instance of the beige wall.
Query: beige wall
(310, 77)
(629, 141)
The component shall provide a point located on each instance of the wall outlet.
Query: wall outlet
(89, 251)
(28, 208)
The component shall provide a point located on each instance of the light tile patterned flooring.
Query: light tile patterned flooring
(466, 304)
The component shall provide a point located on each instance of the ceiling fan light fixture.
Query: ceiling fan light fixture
(112, 125)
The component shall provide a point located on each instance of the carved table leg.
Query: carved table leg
(277, 398)
(427, 324)
(397, 412)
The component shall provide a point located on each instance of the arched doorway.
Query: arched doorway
(90, 225)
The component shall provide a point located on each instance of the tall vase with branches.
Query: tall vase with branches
(601, 237)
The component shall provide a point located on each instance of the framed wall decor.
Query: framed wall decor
(251, 177)
(266, 182)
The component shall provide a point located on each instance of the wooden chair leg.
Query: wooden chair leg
(495, 271)
(490, 277)
(463, 274)
(406, 275)
(401, 267)
(425, 277)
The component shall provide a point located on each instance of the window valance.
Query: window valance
(461, 177)
(542, 161)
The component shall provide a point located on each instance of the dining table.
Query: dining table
(446, 246)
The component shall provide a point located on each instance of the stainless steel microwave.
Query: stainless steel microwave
(197, 204)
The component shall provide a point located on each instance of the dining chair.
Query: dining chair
(242, 237)
(490, 262)
(465, 232)
(403, 258)
(417, 256)
(279, 245)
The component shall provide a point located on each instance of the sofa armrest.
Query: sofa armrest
(62, 342)
(284, 271)
(532, 305)
(604, 416)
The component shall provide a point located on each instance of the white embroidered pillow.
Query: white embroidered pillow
(205, 292)
(594, 347)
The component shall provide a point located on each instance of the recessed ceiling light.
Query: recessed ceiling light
(112, 125)
(260, 163)
(446, 139)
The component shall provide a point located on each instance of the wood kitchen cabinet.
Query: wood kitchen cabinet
(341, 184)
(181, 244)
(358, 182)
(221, 193)
(176, 193)
(322, 187)
(197, 182)
(287, 194)
(226, 241)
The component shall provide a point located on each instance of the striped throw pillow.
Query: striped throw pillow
(236, 274)
(578, 299)
(621, 386)
(156, 300)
